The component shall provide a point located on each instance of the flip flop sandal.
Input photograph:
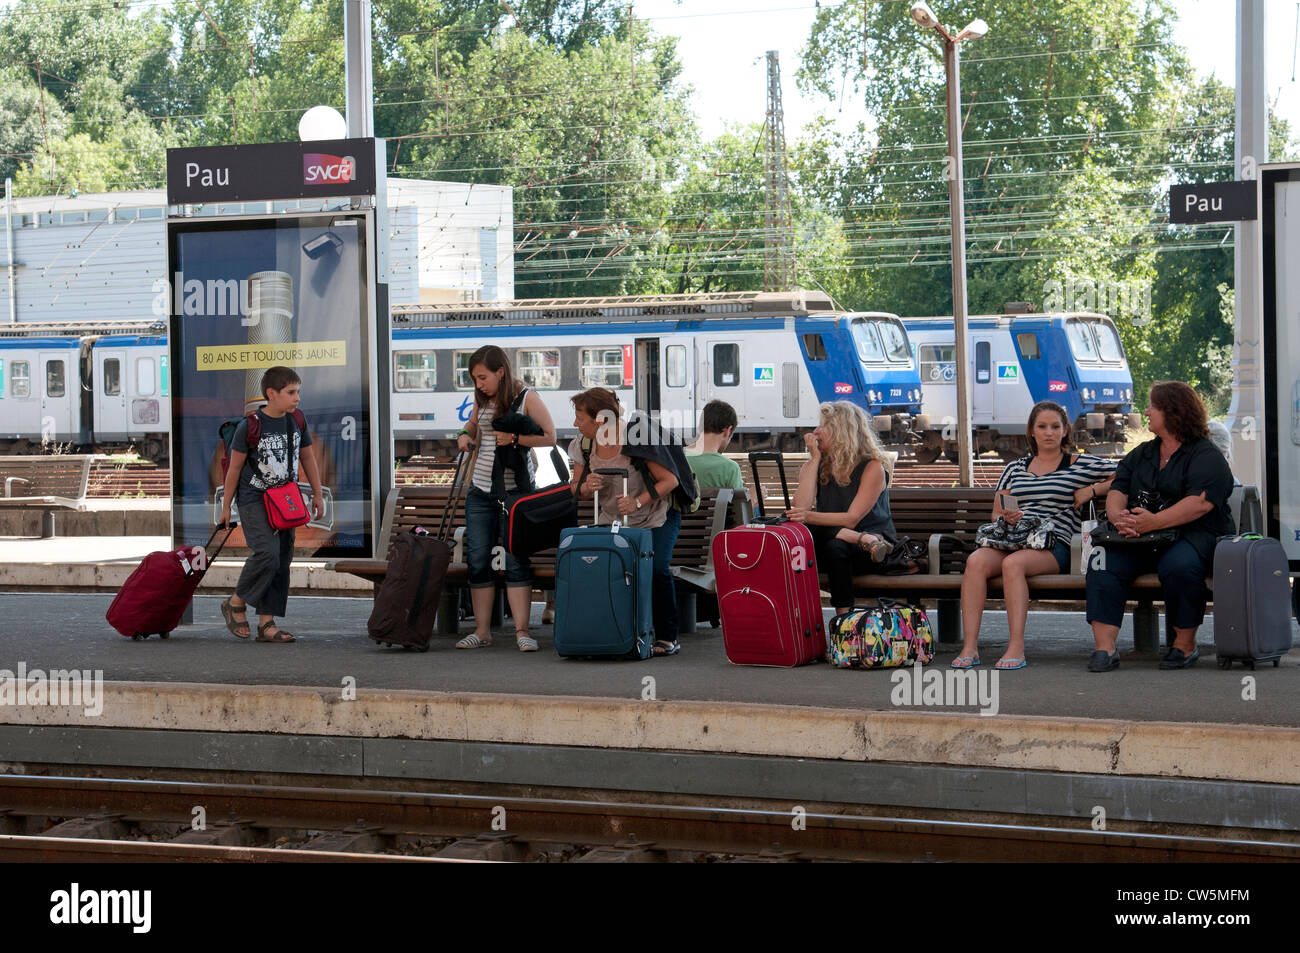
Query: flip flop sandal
(1009, 664)
(662, 649)
(280, 634)
(473, 642)
(965, 661)
(228, 611)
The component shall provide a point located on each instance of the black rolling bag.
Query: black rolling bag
(406, 605)
(1252, 589)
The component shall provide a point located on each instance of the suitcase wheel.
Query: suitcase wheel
(164, 635)
(139, 637)
(1249, 663)
(1276, 662)
(1225, 662)
(416, 648)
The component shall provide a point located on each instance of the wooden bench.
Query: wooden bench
(947, 519)
(410, 506)
(46, 482)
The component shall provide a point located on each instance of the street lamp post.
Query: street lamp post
(925, 17)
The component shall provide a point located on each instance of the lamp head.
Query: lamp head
(923, 15)
(974, 30)
(322, 122)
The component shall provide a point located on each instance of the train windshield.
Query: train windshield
(1108, 342)
(895, 338)
(1081, 341)
(868, 342)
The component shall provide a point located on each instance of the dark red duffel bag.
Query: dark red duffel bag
(154, 597)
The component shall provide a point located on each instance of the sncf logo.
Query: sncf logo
(321, 169)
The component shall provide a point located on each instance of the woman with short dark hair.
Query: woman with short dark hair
(1177, 480)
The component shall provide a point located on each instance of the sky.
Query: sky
(724, 43)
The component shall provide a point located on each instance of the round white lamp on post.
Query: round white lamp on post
(322, 122)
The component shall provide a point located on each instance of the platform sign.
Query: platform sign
(251, 292)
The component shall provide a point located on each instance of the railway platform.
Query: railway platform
(1200, 747)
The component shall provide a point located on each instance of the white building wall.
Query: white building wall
(94, 257)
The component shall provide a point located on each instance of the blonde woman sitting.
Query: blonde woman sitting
(843, 497)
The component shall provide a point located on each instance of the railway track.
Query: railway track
(69, 818)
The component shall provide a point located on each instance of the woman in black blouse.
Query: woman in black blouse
(843, 497)
(1179, 480)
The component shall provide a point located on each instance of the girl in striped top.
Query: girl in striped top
(502, 465)
(1048, 483)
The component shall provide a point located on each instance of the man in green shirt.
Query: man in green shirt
(711, 468)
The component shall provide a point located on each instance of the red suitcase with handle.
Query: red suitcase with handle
(768, 596)
(154, 597)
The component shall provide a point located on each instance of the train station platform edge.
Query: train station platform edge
(1115, 747)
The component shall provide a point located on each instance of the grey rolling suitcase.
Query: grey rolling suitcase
(1252, 601)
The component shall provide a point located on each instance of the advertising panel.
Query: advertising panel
(247, 294)
(1280, 205)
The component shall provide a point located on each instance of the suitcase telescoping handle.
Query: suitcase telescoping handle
(595, 494)
(230, 531)
(754, 457)
(458, 482)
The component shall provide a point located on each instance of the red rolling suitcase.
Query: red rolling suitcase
(768, 596)
(154, 597)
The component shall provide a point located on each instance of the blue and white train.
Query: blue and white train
(1017, 360)
(61, 385)
(773, 356)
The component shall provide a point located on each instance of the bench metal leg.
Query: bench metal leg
(47, 524)
(448, 622)
(949, 629)
(686, 616)
(1146, 627)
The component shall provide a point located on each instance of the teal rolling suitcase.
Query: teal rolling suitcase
(603, 586)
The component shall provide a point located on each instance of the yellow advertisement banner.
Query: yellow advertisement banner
(237, 357)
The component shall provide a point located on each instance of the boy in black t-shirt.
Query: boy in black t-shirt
(273, 461)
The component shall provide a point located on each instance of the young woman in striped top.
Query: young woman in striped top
(1048, 483)
(502, 465)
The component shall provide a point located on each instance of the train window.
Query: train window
(815, 347)
(983, 362)
(895, 339)
(144, 376)
(414, 370)
(1028, 344)
(20, 378)
(675, 365)
(938, 363)
(726, 365)
(1081, 342)
(602, 367)
(1108, 342)
(869, 349)
(55, 383)
(112, 377)
(460, 361)
(541, 368)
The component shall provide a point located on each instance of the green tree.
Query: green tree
(27, 119)
(587, 138)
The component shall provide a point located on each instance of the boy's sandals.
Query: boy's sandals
(473, 642)
(228, 612)
(663, 648)
(524, 641)
(280, 634)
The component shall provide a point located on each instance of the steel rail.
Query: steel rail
(670, 827)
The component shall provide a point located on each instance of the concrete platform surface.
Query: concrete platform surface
(67, 631)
